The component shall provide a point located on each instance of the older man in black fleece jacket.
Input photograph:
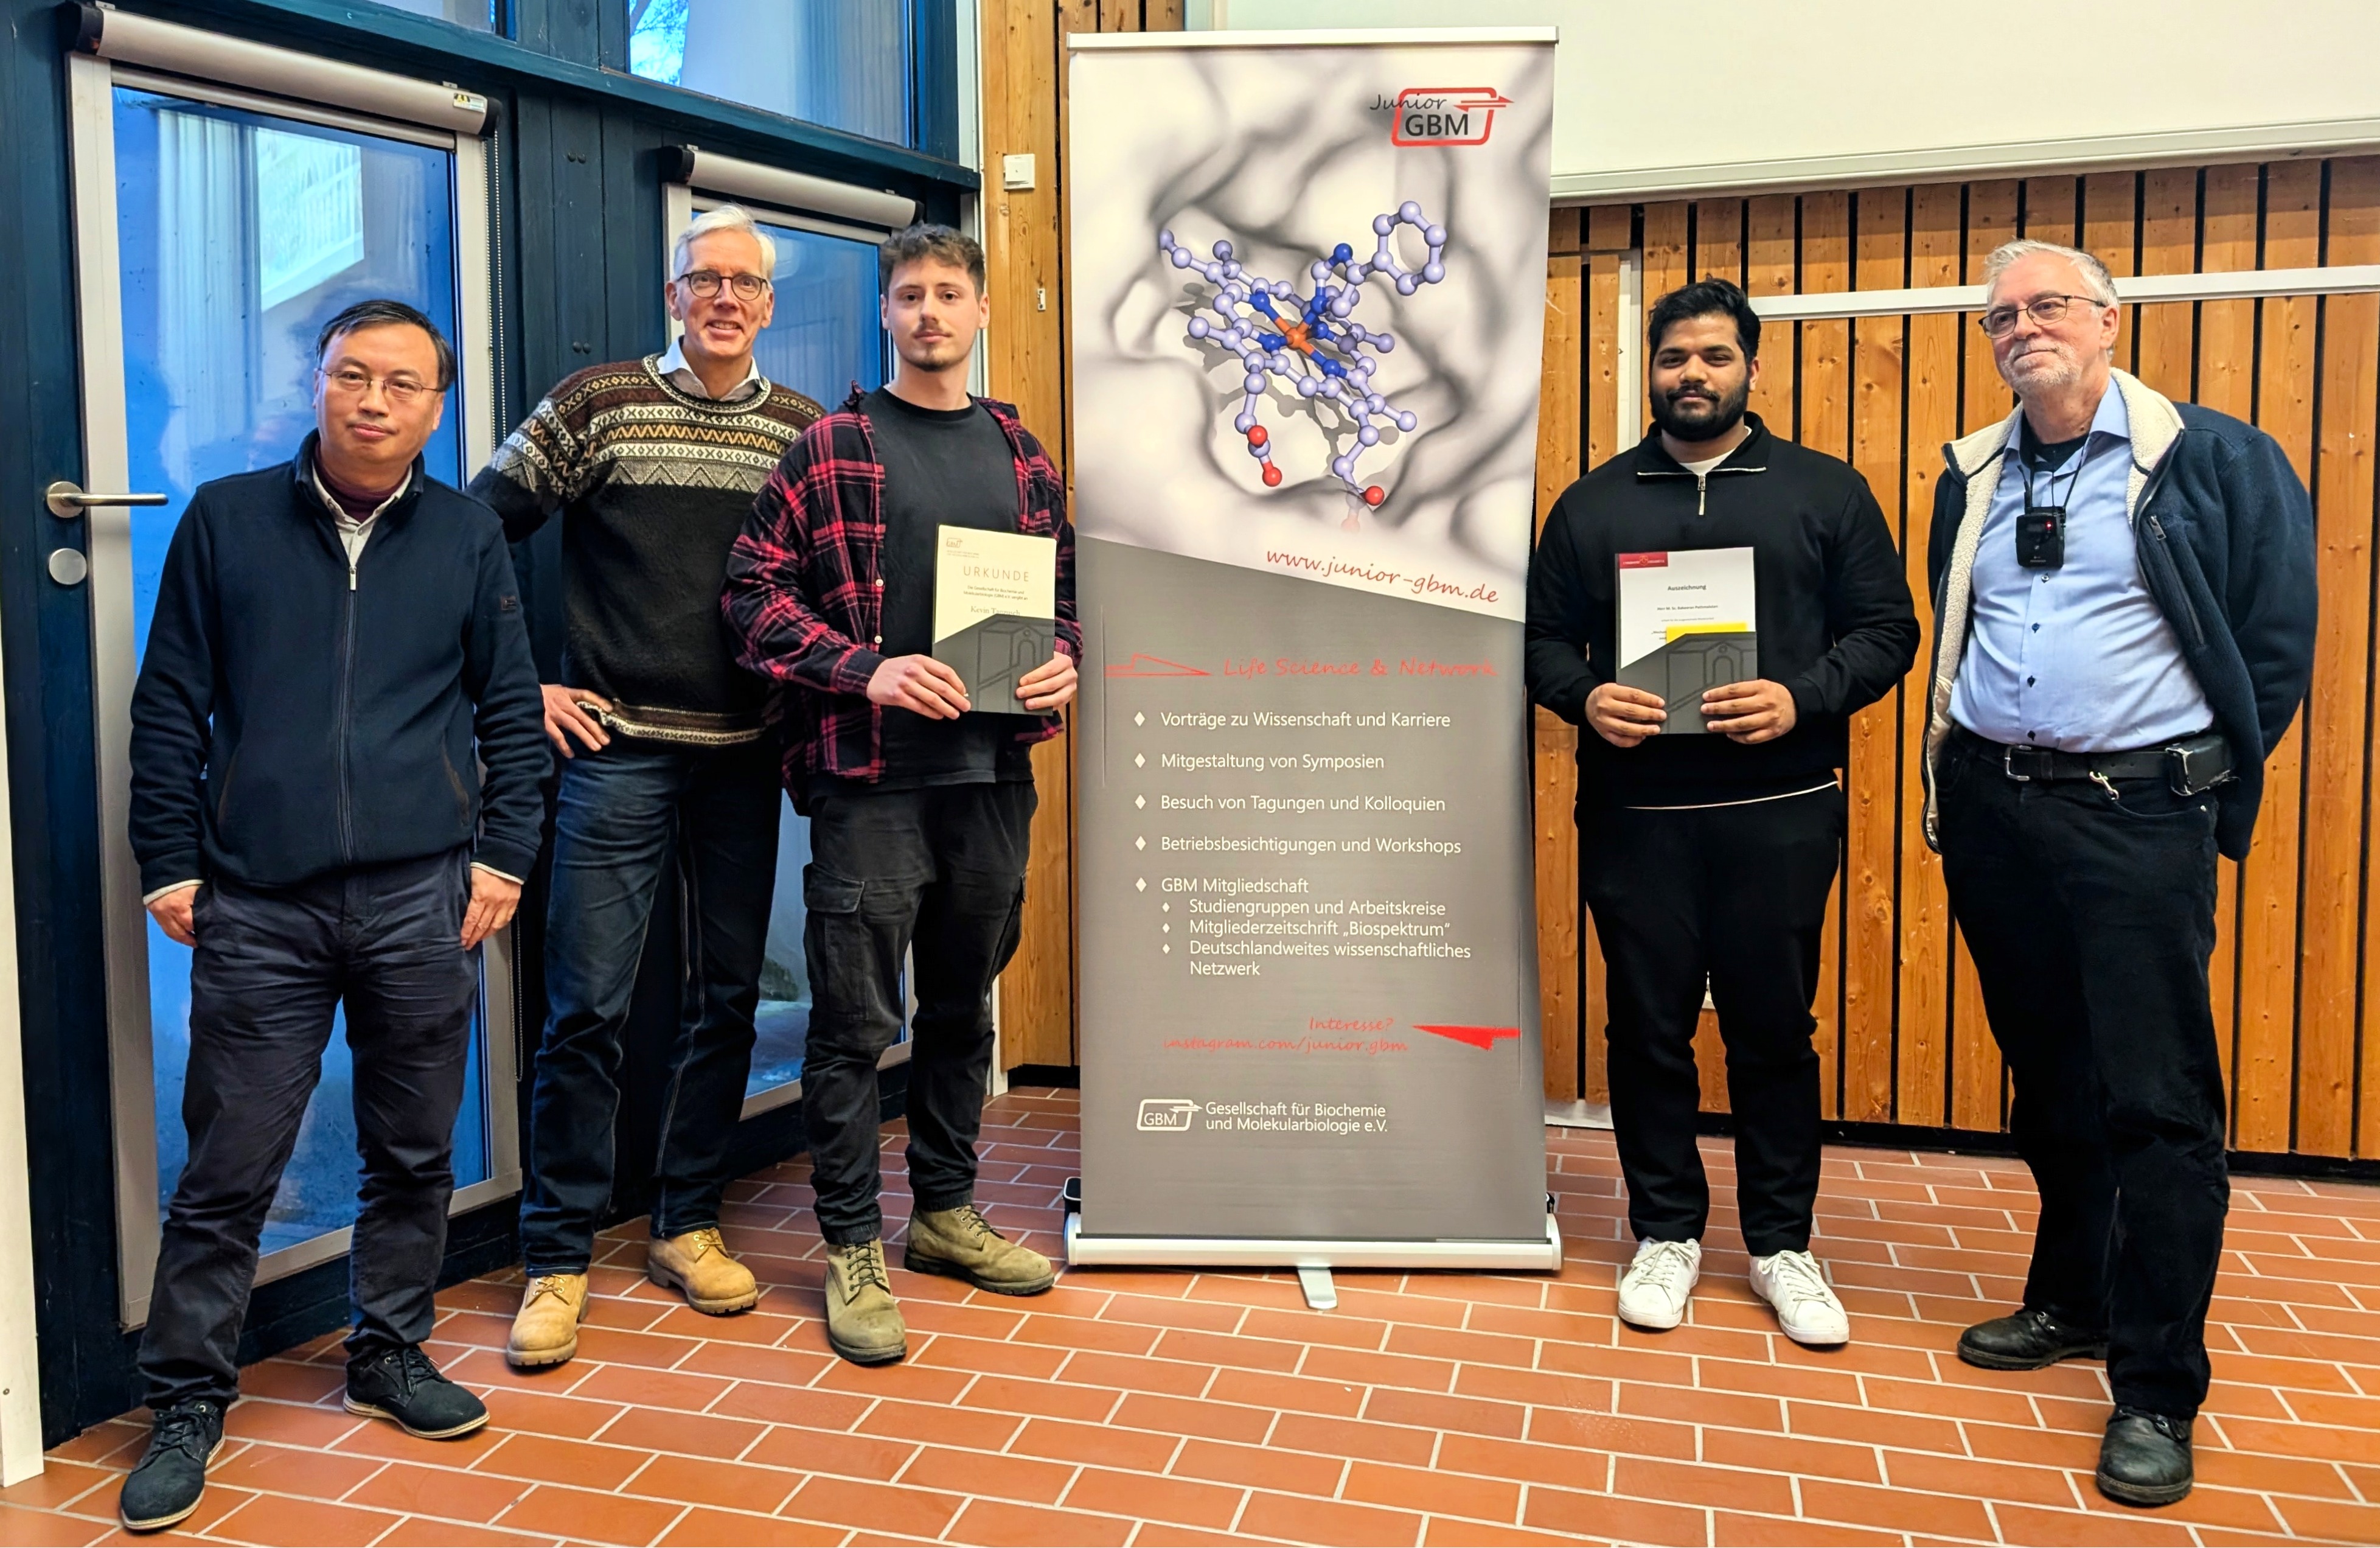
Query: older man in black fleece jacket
(338, 649)
(1710, 858)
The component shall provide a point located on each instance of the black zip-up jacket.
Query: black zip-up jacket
(295, 717)
(1835, 621)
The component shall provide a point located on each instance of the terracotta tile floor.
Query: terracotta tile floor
(1165, 1407)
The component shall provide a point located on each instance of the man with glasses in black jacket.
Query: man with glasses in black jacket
(1708, 859)
(337, 654)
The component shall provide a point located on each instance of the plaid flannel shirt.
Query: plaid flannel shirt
(805, 592)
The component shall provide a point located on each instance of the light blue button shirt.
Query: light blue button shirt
(2077, 658)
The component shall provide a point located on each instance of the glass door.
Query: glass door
(216, 233)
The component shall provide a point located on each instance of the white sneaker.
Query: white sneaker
(1805, 1304)
(1654, 1289)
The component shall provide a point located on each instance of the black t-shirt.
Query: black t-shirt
(942, 468)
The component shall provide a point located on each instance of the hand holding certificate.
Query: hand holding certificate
(1688, 655)
(996, 621)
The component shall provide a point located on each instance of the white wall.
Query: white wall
(1658, 100)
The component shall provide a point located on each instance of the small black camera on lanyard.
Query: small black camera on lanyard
(2041, 526)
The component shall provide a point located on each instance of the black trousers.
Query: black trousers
(1737, 896)
(941, 870)
(270, 968)
(2091, 920)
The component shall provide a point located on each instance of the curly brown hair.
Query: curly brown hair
(927, 240)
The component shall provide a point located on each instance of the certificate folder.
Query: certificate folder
(995, 611)
(1685, 628)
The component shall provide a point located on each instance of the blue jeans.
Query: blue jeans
(623, 814)
(272, 965)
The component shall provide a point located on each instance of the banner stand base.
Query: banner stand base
(1578, 1115)
(1084, 1250)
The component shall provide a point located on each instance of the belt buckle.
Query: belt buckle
(2008, 764)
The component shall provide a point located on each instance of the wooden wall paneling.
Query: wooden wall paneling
(1871, 866)
(2111, 233)
(1555, 785)
(2350, 442)
(1922, 1066)
(2337, 730)
(1769, 252)
(2165, 354)
(2049, 205)
(1022, 89)
(1665, 255)
(2265, 1072)
(1823, 411)
(1977, 1081)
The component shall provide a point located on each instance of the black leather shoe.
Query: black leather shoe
(165, 1485)
(2146, 1458)
(2029, 1341)
(402, 1384)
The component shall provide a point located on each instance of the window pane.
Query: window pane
(826, 333)
(841, 63)
(480, 14)
(239, 235)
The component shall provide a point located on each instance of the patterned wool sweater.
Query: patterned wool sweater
(652, 483)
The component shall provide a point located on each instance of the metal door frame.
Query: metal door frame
(91, 82)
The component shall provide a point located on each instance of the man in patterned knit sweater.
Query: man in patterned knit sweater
(653, 465)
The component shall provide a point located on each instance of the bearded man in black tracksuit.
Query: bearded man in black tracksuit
(1709, 858)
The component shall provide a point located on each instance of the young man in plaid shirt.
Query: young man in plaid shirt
(920, 811)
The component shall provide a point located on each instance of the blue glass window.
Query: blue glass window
(844, 64)
(240, 234)
(477, 14)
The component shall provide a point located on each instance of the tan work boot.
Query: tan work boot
(698, 1266)
(960, 1244)
(545, 1331)
(863, 1320)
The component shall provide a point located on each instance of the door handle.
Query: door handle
(66, 500)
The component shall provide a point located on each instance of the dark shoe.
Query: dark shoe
(172, 1473)
(2145, 1458)
(400, 1384)
(2029, 1341)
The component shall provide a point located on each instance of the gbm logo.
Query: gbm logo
(1445, 115)
(1161, 1115)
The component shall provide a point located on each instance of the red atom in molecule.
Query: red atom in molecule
(1272, 478)
(1257, 436)
(1374, 495)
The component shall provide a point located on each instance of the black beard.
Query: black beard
(1724, 417)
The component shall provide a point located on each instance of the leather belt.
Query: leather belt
(2189, 765)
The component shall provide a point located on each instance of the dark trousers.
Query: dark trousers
(1736, 894)
(621, 816)
(941, 870)
(2089, 921)
(271, 968)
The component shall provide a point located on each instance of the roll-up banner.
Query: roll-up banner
(1308, 281)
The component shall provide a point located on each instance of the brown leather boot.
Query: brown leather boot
(699, 1266)
(960, 1244)
(545, 1331)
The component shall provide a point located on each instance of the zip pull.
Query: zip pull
(1702, 491)
(351, 572)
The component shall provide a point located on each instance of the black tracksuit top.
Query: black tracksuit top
(294, 718)
(1835, 620)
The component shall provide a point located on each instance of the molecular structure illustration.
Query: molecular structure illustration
(1312, 344)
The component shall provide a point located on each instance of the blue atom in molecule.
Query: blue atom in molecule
(1312, 345)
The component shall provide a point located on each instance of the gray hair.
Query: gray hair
(727, 217)
(2095, 277)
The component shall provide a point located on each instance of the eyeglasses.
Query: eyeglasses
(2000, 321)
(402, 392)
(705, 283)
